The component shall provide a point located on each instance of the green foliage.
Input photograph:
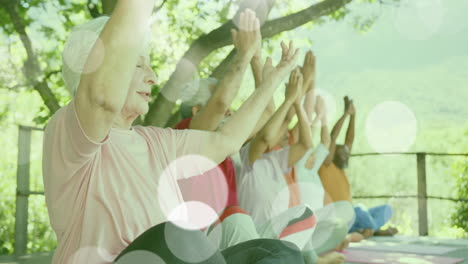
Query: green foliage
(460, 217)
(48, 25)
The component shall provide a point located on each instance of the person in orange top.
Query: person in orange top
(332, 173)
(337, 187)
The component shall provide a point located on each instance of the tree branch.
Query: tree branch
(93, 9)
(159, 7)
(31, 67)
(221, 69)
(160, 110)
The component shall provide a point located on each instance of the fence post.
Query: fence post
(422, 194)
(22, 191)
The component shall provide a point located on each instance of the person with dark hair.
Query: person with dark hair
(337, 187)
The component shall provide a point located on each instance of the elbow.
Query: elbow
(307, 145)
(221, 105)
(268, 138)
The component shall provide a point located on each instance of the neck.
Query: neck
(124, 121)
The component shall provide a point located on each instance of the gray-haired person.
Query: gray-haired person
(102, 175)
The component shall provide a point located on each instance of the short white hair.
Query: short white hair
(77, 49)
(199, 92)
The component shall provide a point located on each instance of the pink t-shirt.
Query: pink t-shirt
(101, 196)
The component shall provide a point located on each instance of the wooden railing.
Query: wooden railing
(22, 189)
(23, 192)
(422, 185)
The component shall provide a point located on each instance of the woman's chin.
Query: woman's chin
(143, 110)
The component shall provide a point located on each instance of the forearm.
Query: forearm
(337, 128)
(309, 104)
(239, 127)
(257, 69)
(305, 136)
(269, 132)
(350, 133)
(229, 85)
(123, 35)
(209, 117)
(325, 135)
(267, 114)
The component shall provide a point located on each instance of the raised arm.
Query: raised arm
(246, 41)
(102, 93)
(297, 151)
(268, 135)
(336, 131)
(309, 73)
(350, 133)
(322, 115)
(229, 138)
(287, 52)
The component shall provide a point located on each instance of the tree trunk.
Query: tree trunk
(31, 67)
(160, 110)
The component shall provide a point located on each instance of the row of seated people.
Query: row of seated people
(285, 200)
(279, 185)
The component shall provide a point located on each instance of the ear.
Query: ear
(195, 110)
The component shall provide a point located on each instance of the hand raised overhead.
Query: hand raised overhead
(320, 108)
(285, 66)
(347, 102)
(247, 40)
(308, 70)
(294, 91)
(289, 56)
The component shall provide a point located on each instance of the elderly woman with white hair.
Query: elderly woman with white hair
(102, 176)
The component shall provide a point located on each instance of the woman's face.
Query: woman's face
(139, 93)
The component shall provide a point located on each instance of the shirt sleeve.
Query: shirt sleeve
(321, 153)
(66, 147)
(244, 156)
(182, 150)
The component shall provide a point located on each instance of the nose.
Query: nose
(150, 77)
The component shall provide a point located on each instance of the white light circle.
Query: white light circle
(193, 214)
(260, 7)
(187, 72)
(391, 127)
(419, 19)
(75, 53)
(330, 103)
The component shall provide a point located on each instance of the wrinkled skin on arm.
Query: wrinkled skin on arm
(246, 41)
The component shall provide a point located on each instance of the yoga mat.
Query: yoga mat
(396, 238)
(371, 257)
(403, 248)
